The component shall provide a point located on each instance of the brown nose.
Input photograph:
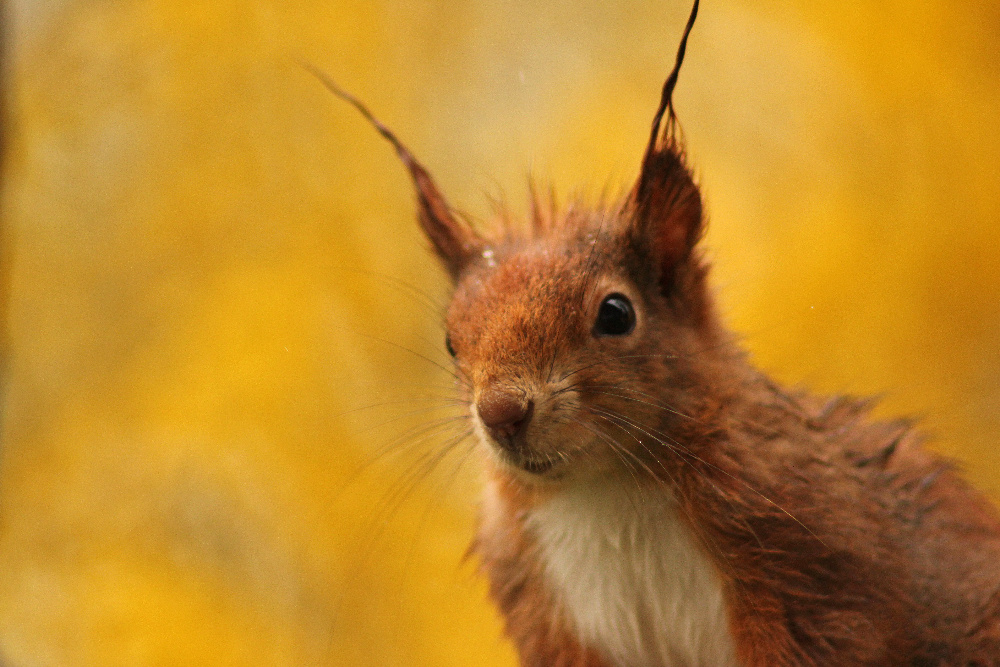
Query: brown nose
(504, 413)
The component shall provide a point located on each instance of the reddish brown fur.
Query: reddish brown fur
(839, 540)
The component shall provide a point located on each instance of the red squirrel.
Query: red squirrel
(652, 499)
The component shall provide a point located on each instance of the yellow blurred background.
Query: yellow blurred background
(216, 444)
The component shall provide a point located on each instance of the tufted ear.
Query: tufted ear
(453, 239)
(665, 205)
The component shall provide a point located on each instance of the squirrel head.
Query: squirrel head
(581, 335)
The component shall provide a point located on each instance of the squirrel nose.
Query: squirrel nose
(504, 413)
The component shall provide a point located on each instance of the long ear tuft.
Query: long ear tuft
(453, 239)
(665, 202)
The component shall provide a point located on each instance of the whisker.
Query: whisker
(705, 538)
(412, 413)
(685, 451)
(439, 493)
(442, 401)
(407, 441)
(658, 405)
(618, 450)
(391, 504)
(444, 368)
(437, 308)
(609, 361)
(406, 484)
(580, 370)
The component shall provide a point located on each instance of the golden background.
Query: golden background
(214, 271)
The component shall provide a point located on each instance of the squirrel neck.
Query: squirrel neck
(633, 578)
(605, 567)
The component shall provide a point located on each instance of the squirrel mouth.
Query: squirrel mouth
(518, 459)
(515, 452)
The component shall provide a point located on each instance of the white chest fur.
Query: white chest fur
(632, 577)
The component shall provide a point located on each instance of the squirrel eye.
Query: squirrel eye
(615, 317)
(447, 345)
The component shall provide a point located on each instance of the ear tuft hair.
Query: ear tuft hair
(665, 203)
(454, 240)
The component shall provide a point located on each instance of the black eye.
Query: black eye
(447, 345)
(615, 317)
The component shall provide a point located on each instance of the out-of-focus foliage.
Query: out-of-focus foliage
(216, 272)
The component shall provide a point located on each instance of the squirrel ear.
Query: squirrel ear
(453, 239)
(665, 209)
(665, 205)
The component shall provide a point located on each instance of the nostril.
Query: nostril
(504, 412)
(515, 427)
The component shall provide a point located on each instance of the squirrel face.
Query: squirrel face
(562, 339)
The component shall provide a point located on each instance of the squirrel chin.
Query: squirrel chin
(525, 470)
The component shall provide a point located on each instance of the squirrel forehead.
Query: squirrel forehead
(527, 294)
(505, 280)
